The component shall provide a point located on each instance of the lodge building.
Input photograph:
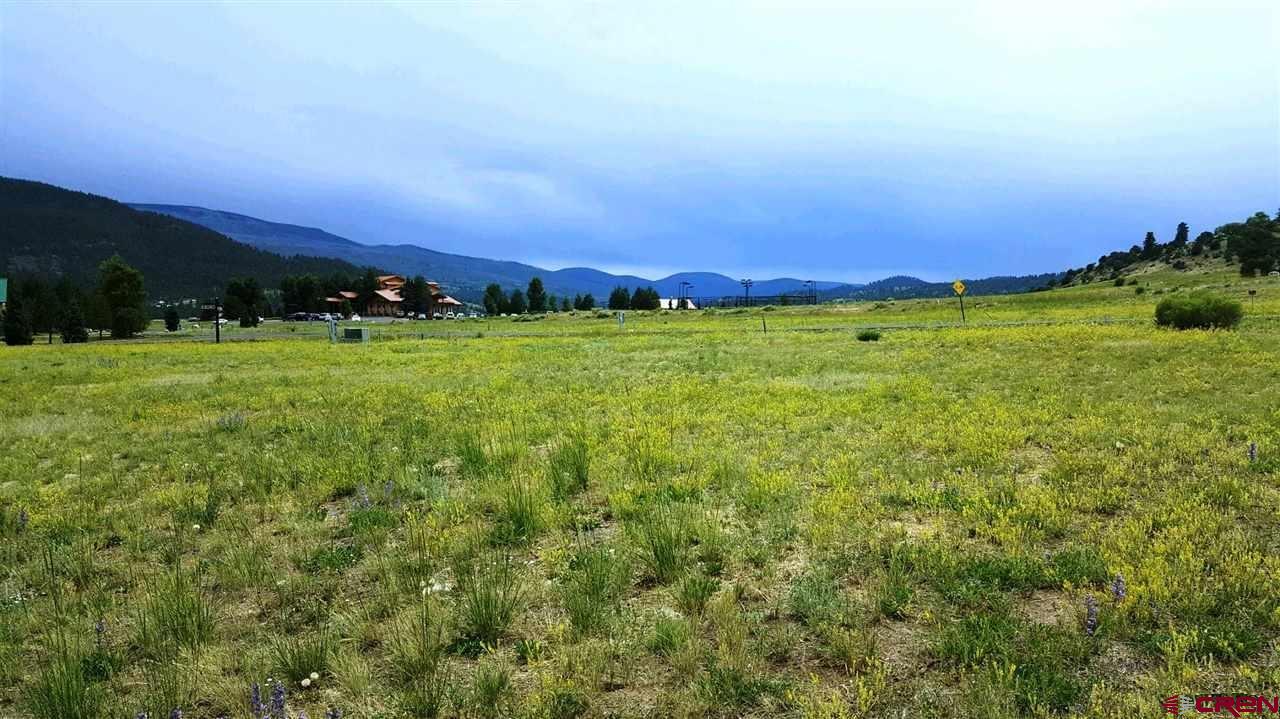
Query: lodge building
(387, 302)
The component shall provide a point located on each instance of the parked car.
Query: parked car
(296, 317)
(437, 316)
(355, 317)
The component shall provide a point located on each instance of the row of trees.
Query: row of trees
(39, 306)
(533, 300)
(643, 298)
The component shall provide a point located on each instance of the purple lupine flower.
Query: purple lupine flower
(1118, 588)
(175, 714)
(1090, 615)
(256, 707)
(99, 631)
(333, 713)
(1253, 451)
(278, 710)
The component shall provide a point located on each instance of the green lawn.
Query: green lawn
(686, 517)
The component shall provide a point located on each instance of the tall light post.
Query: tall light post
(682, 303)
(746, 288)
(813, 291)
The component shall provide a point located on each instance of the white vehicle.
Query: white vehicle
(355, 318)
(448, 315)
(421, 316)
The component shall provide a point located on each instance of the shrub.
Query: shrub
(1198, 311)
(1119, 282)
(1139, 290)
(868, 335)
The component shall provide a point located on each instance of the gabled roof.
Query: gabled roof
(348, 295)
(389, 295)
(447, 300)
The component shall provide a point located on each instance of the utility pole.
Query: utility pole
(746, 287)
(217, 321)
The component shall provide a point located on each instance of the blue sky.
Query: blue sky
(842, 141)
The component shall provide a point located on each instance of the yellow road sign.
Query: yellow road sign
(958, 286)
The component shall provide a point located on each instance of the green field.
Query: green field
(688, 516)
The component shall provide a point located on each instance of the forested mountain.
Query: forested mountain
(51, 231)
(463, 275)
(1253, 245)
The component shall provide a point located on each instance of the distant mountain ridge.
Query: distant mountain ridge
(466, 276)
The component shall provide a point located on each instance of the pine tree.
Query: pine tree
(588, 302)
(73, 329)
(565, 305)
(620, 299)
(124, 297)
(17, 321)
(493, 299)
(171, 321)
(536, 296)
(516, 304)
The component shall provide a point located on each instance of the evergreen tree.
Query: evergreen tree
(536, 296)
(244, 300)
(1180, 237)
(493, 299)
(171, 321)
(516, 304)
(577, 302)
(565, 304)
(645, 298)
(619, 299)
(73, 329)
(17, 321)
(588, 302)
(1150, 248)
(124, 296)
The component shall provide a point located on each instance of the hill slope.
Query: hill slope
(465, 275)
(53, 231)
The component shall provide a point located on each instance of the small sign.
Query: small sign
(958, 286)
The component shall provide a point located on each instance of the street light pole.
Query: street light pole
(746, 287)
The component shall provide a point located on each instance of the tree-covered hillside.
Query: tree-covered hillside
(1253, 245)
(54, 232)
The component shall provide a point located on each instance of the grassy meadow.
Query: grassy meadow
(1050, 511)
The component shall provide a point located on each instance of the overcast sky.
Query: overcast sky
(845, 142)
